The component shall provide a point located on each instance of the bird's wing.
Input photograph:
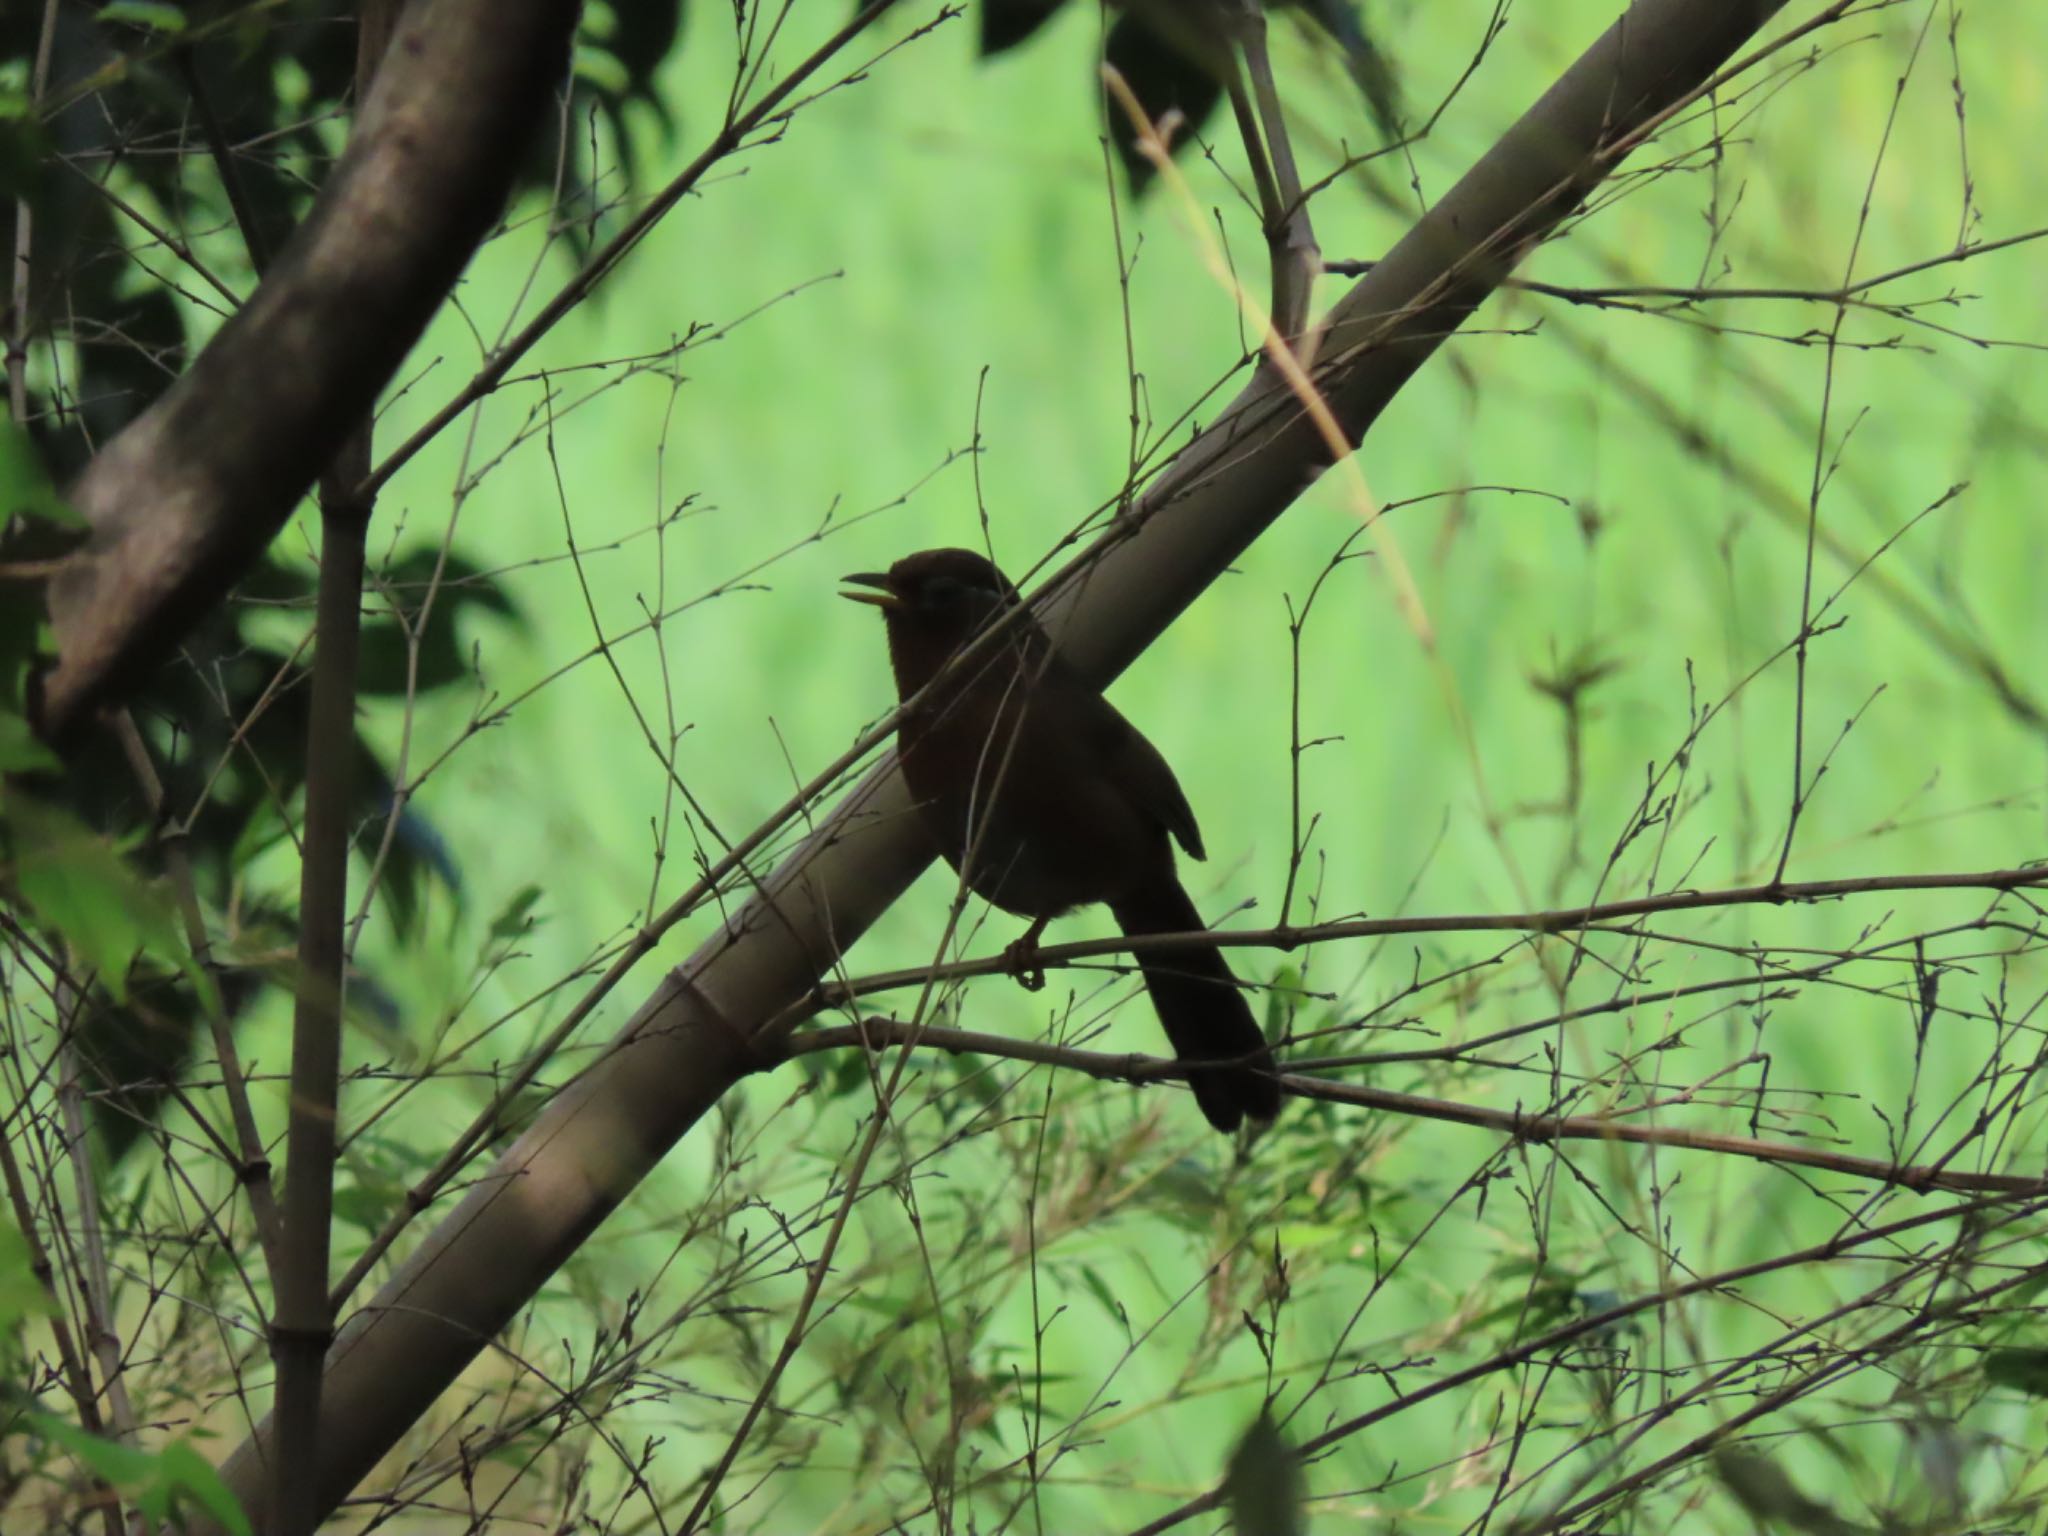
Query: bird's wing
(1139, 770)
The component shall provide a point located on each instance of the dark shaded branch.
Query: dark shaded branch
(183, 501)
(1293, 256)
(302, 1324)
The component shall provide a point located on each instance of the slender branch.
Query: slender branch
(224, 163)
(1843, 294)
(163, 237)
(730, 137)
(1557, 920)
(24, 239)
(1135, 1067)
(95, 1291)
(251, 1159)
(304, 1324)
(1828, 1366)
(1291, 240)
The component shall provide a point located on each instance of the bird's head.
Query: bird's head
(934, 601)
(951, 590)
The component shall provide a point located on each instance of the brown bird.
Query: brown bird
(1047, 799)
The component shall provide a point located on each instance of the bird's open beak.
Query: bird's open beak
(885, 596)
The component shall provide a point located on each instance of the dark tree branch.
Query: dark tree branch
(1293, 256)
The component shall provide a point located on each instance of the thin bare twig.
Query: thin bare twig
(1135, 1067)
(1558, 920)
(729, 138)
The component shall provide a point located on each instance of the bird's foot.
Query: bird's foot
(1021, 957)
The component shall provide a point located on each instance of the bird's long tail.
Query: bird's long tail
(1205, 1016)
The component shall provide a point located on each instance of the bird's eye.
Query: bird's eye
(943, 591)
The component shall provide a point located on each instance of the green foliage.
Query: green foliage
(77, 883)
(148, 15)
(2021, 1369)
(21, 750)
(25, 489)
(21, 1296)
(162, 1485)
(272, 75)
(1763, 1488)
(24, 152)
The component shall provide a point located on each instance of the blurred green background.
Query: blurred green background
(1600, 493)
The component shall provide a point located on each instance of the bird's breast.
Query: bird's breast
(1024, 809)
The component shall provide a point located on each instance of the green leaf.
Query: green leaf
(80, 886)
(1264, 1485)
(109, 1461)
(2024, 1370)
(1189, 1185)
(602, 70)
(1535, 1310)
(361, 1206)
(190, 1475)
(20, 750)
(514, 917)
(1098, 1287)
(151, 17)
(975, 1076)
(1283, 998)
(1318, 1236)
(24, 151)
(159, 1483)
(1766, 1491)
(25, 487)
(20, 1296)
